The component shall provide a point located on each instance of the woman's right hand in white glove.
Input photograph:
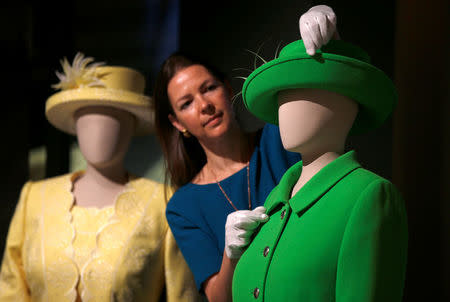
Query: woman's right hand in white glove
(239, 229)
(317, 27)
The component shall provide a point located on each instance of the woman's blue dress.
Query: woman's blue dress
(197, 213)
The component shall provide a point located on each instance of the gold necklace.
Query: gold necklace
(225, 194)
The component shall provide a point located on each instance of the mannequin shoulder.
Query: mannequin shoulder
(370, 184)
(150, 190)
(52, 181)
(146, 184)
(61, 183)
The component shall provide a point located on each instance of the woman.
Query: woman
(98, 234)
(216, 167)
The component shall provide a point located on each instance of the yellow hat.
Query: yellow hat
(94, 85)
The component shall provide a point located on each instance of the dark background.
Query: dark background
(406, 39)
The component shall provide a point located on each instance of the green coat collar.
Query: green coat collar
(315, 187)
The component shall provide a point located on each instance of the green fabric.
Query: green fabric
(339, 67)
(343, 238)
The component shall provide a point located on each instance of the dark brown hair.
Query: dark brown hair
(184, 157)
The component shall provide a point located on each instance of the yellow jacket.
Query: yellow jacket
(135, 258)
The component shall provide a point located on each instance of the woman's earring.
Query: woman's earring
(186, 133)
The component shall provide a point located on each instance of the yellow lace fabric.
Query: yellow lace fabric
(133, 257)
(87, 222)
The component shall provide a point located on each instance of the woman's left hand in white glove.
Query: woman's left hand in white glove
(239, 229)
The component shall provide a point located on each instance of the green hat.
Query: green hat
(339, 67)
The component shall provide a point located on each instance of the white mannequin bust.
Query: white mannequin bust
(104, 134)
(314, 123)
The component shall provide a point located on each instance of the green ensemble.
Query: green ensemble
(341, 237)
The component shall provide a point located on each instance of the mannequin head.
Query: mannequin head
(104, 134)
(314, 121)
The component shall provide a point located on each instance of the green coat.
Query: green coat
(342, 237)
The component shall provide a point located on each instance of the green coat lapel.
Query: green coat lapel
(315, 188)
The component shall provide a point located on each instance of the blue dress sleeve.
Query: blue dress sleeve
(198, 247)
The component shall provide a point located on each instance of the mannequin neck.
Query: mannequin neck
(100, 187)
(107, 176)
(312, 164)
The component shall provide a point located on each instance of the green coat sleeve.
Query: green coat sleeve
(372, 256)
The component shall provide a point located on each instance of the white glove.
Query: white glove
(317, 27)
(239, 228)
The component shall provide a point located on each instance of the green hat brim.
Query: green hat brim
(358, 80)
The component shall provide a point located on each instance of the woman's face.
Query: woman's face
(201, 103)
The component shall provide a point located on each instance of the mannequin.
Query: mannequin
(104, 134)
(325, 118)
(98, 234)
(336, 232)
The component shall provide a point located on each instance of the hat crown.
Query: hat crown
(121, 78)
(336, 47)
(112, 86)
(339, 67)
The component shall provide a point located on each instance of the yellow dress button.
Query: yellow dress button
(256, 293)
(266, 251)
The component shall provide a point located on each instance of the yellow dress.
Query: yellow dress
(87, 222)
(56, 252)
